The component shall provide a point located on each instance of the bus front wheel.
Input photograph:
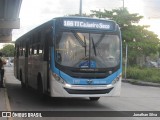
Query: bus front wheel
(94, 98)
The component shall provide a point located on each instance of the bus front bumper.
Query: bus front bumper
(58, 89)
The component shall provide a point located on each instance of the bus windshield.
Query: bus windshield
(87, 50)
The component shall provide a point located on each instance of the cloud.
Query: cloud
(36, 12)
(51, 7)
(152, 8)
(72, 6)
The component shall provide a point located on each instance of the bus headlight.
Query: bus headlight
(116, 79)
(60, 80)
(57, 78)
(68, 85)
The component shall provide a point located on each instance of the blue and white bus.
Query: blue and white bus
(71, 57)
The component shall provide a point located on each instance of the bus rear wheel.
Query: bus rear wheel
(94, 98)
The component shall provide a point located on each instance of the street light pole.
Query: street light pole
(126, 61)
(80, 8)
(123, 4)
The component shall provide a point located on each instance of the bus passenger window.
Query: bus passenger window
(17, 51)
(35, 51)
(40, 49)
(30, 51)
(59, 58)
(23, 52)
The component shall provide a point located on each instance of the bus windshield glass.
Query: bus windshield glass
(87, 50)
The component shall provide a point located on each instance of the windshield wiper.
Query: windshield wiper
(94, 47)
(85, 46)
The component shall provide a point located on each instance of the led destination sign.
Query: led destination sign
(90, 24)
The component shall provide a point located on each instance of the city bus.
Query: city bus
(71, 57)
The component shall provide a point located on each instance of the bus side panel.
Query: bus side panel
(44, 76)
(26, 71)
(36, 66)
(29, 70)
(16, 67)
(16, 61)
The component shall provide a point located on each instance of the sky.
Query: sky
(36, 12)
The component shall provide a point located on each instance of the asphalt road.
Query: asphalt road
(133, 98)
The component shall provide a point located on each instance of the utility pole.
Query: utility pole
(123, 4)
(126, 61)
(80, 8)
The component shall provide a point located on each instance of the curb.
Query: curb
(141, 83)
(7, 102)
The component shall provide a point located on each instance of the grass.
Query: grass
(144, 74)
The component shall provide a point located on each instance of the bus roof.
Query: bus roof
(81, 17)
(75, 22)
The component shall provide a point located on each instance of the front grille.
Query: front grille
(104, 91)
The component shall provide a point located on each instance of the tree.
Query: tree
(140, 41)
(8, 50)
(121, 16)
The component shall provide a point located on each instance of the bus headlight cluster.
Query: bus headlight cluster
(116, 79)
(60, 80)
(57, 78)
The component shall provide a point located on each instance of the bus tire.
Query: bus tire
(94, 98)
